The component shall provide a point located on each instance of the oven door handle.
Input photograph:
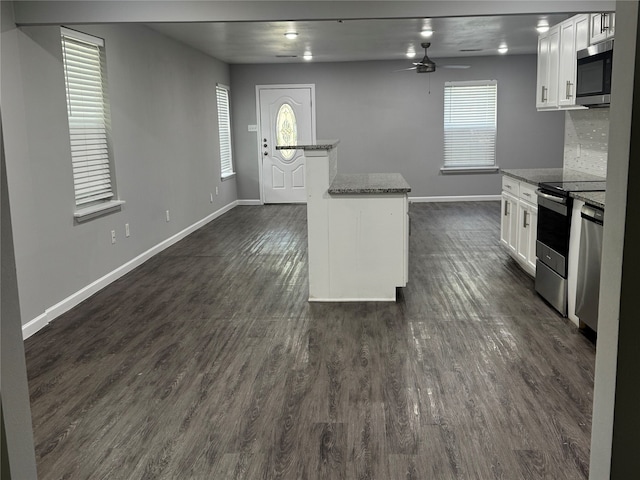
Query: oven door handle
(552, 198)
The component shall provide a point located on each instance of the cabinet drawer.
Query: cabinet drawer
(510, 185)
(528, 193)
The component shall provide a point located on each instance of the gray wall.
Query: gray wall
(388, 122)
(166, 150)
(18, 455)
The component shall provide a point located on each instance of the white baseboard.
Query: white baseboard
(249, 202)
(71, 301)
(463, 198)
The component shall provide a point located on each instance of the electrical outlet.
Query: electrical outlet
(126, 230)
(211, 197)
(113, 236)
(168, 216)
(216, 190)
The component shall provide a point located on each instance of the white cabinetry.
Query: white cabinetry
(509, 218)
(574, 36)
(548, 64)
(527, 233)
(581, 33)
(358, 243)
(601, 27)
(557, 49)
(519, 221)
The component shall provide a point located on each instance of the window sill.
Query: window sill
(87, 213)
(227, 176)
(450, 170)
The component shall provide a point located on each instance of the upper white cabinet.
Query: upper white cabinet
(601, 27)
(548, 64)
(557, 58)
(574, 36)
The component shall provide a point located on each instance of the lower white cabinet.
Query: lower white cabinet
(527, 232)
(509, 223)
(519, 221)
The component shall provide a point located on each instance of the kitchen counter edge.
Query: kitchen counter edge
(368, 183)
(534, 176)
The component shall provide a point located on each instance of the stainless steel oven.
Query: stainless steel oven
(552, 248)
(554, 228)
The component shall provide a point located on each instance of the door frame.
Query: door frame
(259, 88)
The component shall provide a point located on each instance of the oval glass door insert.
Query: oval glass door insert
(287, 130)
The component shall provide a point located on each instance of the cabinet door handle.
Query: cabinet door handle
(524, 223)
(568, 89)
(543, 96)
(603, 22)
(506, 209)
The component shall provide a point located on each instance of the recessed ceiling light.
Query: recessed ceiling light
(307, 56)
(291, 35)
(543, 26)
(427, 32)
(503, 49)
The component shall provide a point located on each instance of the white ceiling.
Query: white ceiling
(353, 40)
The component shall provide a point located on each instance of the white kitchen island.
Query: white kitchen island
(358, 230)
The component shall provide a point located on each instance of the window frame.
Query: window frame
(89, 133)
(225, 137)
(458, 165)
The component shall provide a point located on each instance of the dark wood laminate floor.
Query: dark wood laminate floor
(208, 362)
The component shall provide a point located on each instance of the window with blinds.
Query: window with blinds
(224, 131)
(87, 112)
(470, 110)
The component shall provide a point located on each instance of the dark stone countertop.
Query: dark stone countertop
(319, 145)
(536, 175)
(367, 183)
(592, 198)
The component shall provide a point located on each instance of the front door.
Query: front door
(286, 118)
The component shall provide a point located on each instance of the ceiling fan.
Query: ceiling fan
(426, 65)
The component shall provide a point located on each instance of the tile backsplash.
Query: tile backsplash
(586, 140)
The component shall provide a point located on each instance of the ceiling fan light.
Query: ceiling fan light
(543, 26)
(291, 35)
(426, 33)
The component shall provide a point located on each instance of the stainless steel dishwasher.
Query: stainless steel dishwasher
(590, 257)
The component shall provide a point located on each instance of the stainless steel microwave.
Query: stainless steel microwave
(593, 75)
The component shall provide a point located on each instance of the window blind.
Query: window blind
(224, 130)
(470, 110)
(87, 114)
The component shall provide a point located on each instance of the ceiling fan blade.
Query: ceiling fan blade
(455, 66)
(405, 69)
